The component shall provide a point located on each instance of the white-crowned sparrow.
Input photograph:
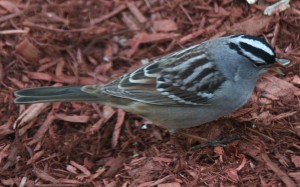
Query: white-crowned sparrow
(186, 88)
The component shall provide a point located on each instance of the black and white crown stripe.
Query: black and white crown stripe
(253, 48)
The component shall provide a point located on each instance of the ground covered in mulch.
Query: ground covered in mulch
(45, 43)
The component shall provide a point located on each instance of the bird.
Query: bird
(183, 89)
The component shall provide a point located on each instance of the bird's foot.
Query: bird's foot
(222, 141)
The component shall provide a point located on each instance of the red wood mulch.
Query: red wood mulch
(93, 42)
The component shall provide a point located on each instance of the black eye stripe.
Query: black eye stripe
(268, 59)
(237, 49)
(259, 53)
(254, 48)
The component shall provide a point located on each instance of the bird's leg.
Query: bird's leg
(222, 141)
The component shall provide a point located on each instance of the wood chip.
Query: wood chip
(284, 115)
(16, 82)
(130, 21)
(136, 12)
(5, 129)
(242, 165)
(28, 51)
(251, 25)
(98, 173)
(1, 72)
(108, 112)
(161, 159)
(46, 66)
(81, 168)
(142, 38)
(152, 38)
(118, 126)
(42, 129)
(72, 118)
(219, 150)
(109, 15)
(277, 87)
(9, 6)
(4, 152)
(232, 174)
(35, 157)
(165, 25)
(61, 79)
(200, 32)
(44, 176)
(114, 165)
(172, 184)
(280, 173)
(30, 113)
(296, 160)
(295, 176)
(296, 80)
(60, 67)
(72, 169)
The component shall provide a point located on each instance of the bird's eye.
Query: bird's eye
(262, 64)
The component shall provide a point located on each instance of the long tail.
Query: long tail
(55, 94)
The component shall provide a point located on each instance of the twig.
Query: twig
(10, 16)
(109, 15)
(187, 14)
(18, 31)
(265, 136)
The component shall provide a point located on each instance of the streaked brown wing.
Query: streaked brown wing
(181, 78)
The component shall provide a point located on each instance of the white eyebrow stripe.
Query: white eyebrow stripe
(258, 44)
(252, 57)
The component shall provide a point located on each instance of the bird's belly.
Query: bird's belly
(177, 117)
(174, 118)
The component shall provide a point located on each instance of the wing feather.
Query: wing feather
(186, 77)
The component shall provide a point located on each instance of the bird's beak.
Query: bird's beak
(281, 62)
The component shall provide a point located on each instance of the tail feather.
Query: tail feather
(54, 94)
